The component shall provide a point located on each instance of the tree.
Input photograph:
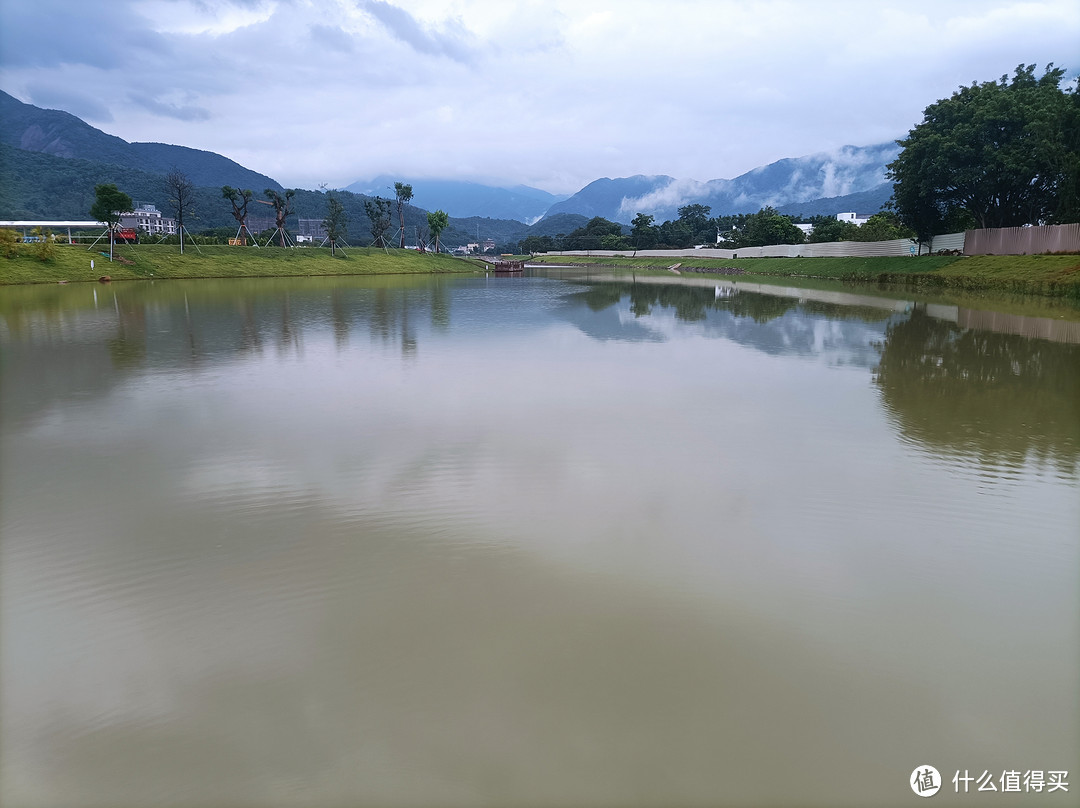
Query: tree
(764, 228)
(45, 247)
(109, 203)
(181, 197)
(239, 200)
(336, 222)
(438, 220)
(1003, 153)
(282, 205)
(535, 244)
(643, 232)
(883, 226)
(697, 226)
(404, 194)
(829, 228)
(378, 213)
(592, 236)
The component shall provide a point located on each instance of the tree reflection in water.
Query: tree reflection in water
(690, 303)
(997, 396)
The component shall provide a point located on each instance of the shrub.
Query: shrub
(45, 247)
(8, 240)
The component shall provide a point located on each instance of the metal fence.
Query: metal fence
(831, 249)
(1059, 238)
(1056, 238)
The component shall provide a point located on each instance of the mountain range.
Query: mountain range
(61, 134)
(50, 160)
(459, 198)
(852, 178)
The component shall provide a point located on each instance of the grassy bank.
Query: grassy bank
(1056, 275)
(146, 261)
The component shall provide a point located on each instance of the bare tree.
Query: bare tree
(282, 209)
(239, 200)
(182, 198)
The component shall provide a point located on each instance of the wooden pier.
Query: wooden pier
(508, 266)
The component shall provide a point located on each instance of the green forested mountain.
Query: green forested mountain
(40, 186)
(50, 162)
(61, 134)
(35, 185)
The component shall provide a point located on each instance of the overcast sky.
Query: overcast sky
(552, 94)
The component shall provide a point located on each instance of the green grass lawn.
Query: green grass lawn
(146, 261)
(1057, 275)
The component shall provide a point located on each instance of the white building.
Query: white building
(149, 219)
(852, 217)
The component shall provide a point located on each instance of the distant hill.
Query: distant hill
(35, 185)
(604, 197)
(851, 170)
(868, 202)
(464, 199)
(51, 160)
(61, 134)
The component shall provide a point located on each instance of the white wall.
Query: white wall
(831, 249)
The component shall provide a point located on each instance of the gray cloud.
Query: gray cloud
(328, 36)
(44, 33)
(180, 113)
(552, 94)
(449, 41)
(69, 100)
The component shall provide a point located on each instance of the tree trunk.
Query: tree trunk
(112, 233)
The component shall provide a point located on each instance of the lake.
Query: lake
(561, 539)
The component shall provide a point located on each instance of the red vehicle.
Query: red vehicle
(128, 235)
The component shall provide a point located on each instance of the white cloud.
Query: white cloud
(552, 94)
(674, 194)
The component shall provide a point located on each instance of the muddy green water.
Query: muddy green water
(532, 541)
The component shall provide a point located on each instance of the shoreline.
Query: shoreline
(1044, 275)
(1041, 275)
(72, 263)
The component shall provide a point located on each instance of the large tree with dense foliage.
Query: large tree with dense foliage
(597, 234)
(643, 232)
(109, 203)
(883, 226)
(829, 228)
(1003, 153)
(764, 228)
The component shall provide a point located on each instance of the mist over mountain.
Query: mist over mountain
(860, 202)
(50, 161)
(464, 199)
(836, 176)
